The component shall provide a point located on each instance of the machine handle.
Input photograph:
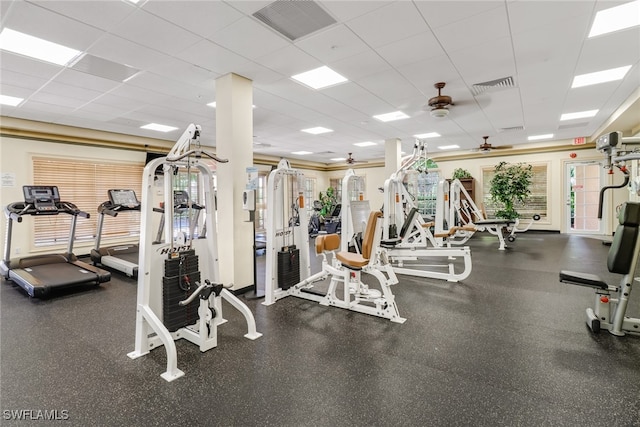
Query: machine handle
(197, 154)
(195, 293)
(608, 187)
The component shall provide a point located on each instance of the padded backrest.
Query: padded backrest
(369, 233)
(327, 242)
(408, 221)
(624, 240)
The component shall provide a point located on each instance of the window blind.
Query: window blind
(85, 184)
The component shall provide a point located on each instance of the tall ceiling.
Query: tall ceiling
(391, 52)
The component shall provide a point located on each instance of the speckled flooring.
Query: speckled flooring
(508, 346)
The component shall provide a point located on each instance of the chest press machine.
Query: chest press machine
(288, 270)
(611, 301)
(179, 289)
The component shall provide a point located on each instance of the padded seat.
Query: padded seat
(355, 261)
(582, 279)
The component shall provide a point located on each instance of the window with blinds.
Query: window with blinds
(536, 202)
(85, 184)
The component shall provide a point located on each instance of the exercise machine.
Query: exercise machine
(122, 257)
(288, 270)
(611, 301)
(465, 213)
(38, 275)
(412, 247)
(179, 290)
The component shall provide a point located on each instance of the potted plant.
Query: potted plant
(510, 184)
(460, 173)
(328, 200)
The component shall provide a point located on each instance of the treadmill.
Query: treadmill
(124, 257)
(40, 274)
(182, 204)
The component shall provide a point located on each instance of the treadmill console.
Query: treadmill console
(42, 197)
(125, 198)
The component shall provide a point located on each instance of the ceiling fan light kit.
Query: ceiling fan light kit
(439, 112)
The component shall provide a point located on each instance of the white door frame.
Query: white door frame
(566, 199)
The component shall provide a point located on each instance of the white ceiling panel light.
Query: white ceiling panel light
(389, 117)
(34, 47)
(578, 115)
(338, 159)
(159, 128)
(317, 130)
(301, 153)
(449, 147)
(212, 104)
(616, 18)
(10, 100)
(597, 77)
(427, 135)
(540, 137)
(364, 144)
(320, 78)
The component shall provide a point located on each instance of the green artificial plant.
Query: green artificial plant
(510, 184)
(460, 173)
(328, 200)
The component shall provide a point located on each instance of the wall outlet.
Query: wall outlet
(17, 251)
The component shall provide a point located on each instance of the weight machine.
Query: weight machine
(173, 274)
(612, 301)
(288, 272)
(408, 238)
(464, 212)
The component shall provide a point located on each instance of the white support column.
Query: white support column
(392, 156)
(234, 141)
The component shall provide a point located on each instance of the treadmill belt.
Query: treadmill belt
(37, 280)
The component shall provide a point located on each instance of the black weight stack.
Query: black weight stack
(288, 267)
(179, 281)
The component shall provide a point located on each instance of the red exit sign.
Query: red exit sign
(579, 140)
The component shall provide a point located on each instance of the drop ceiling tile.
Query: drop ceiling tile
(200, 17)
(30, 67)
(258, 73)
(387, 24)
(249, 38)
(193, 74)
(55, 106)
(36, 21)
(248, 7)
(488, 61)
(148, 30)
(525, 16)
(455, 36)
(389, 85)
(332, 44)
(597, 54)
(62, 90)
(443, 13)
(72, 77)
(22, 81)
(126, 52)
(211, 56)
(344, 11)
(358, 98)
(359, 66)
(138, 95)
(167, 86)
(8, 89)
(100, 14)
(413, 49)
(289, 61)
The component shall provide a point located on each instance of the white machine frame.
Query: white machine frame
(150, 330)
(418, 244)
(356, 295)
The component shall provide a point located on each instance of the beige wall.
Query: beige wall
(15, 160)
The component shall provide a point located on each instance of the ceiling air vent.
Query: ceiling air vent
(503, 83)
(511, 129)
(104, 68)
(294, 19)
(573, 125)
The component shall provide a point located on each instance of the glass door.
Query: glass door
(583, 182)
